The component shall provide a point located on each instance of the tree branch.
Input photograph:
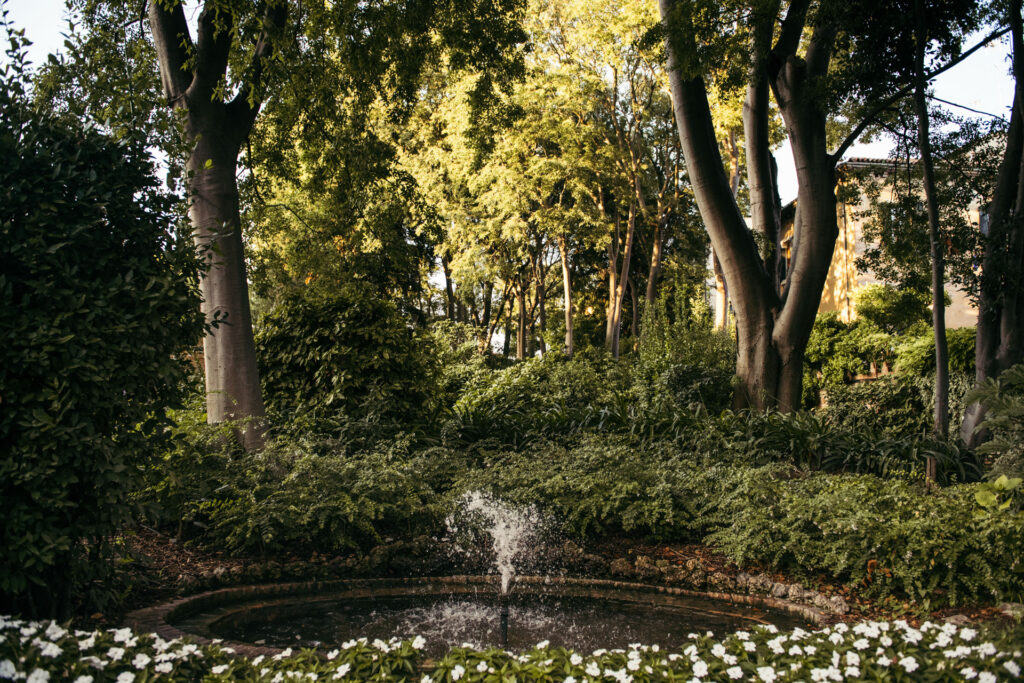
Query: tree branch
(212, 51)
(173, 44)
(903, 92)
(246, 104)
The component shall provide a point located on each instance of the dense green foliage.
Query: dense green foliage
(884, 535)
(97, 297)
(343, 351)
(1004, 401)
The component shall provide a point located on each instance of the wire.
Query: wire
(976, 111)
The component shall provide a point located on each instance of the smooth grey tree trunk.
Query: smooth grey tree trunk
(563, 251)
(1000, 330)
(772, 329)
(191, 74)
(941, 416)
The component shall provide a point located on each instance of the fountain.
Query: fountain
(509, 610)
(510, 530)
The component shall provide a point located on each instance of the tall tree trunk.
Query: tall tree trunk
(541, 291)
(563, 250)
(634, 318)
(721, 293)
(485, 321)
(772, 330)
(612, 287)
(521, 328)
(506, 346)
(622, 281)
(449, 290)
(941, 417)
(1000, 331)
(232, 378)
(191, 75)
(652, 275)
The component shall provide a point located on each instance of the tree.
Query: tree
(1000, 340)
(217, 124)
(808, 64)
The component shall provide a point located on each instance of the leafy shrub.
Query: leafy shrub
(334, 487)
(98, 293)
(683, 359)
(344, 351)
(916, 356)
(892, 404)
(893, 310)
(837, 351)
(603, 484)
(1003, 399)
(887, 536)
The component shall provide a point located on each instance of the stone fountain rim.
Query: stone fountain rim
(157, 619)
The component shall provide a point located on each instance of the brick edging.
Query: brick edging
(157, 619)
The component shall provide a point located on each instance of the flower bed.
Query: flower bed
(38, 652)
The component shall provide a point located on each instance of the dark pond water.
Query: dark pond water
(580, 623)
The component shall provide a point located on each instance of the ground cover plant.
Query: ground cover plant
(869, 651)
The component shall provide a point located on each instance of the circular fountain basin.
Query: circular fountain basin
(579, 614)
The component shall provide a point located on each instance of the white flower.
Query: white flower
(749, 646)
(734, 673)
(968, 634)
(968, 672)
(575, 659)
(593, 670)
(912, 636)
(766, 673)
(852, 659)
(700, 668)
(1012, 667)
(795, 651)
(342, 670)
(883, 661)
(633, 664)
(164, 668)
(50, 650)
(481, 667)
(886, 641)
(86, 643)
(125, 677)
(542, 644)
(987, 649)
(810, 649)
(141, 660)
(55, 632)
(330, 656)
(419, 642)
(115, 653)
(986, 677)
(861, 644)
(835, 638)
(458, 672)
(259, 660)
(852, 672)
(426, 679)
(219, 669)
(38, 676)
(569, 679)
(122, 634)
(718, 650)
(83, 679)
(909, 664)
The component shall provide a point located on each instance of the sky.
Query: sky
(981, 82)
